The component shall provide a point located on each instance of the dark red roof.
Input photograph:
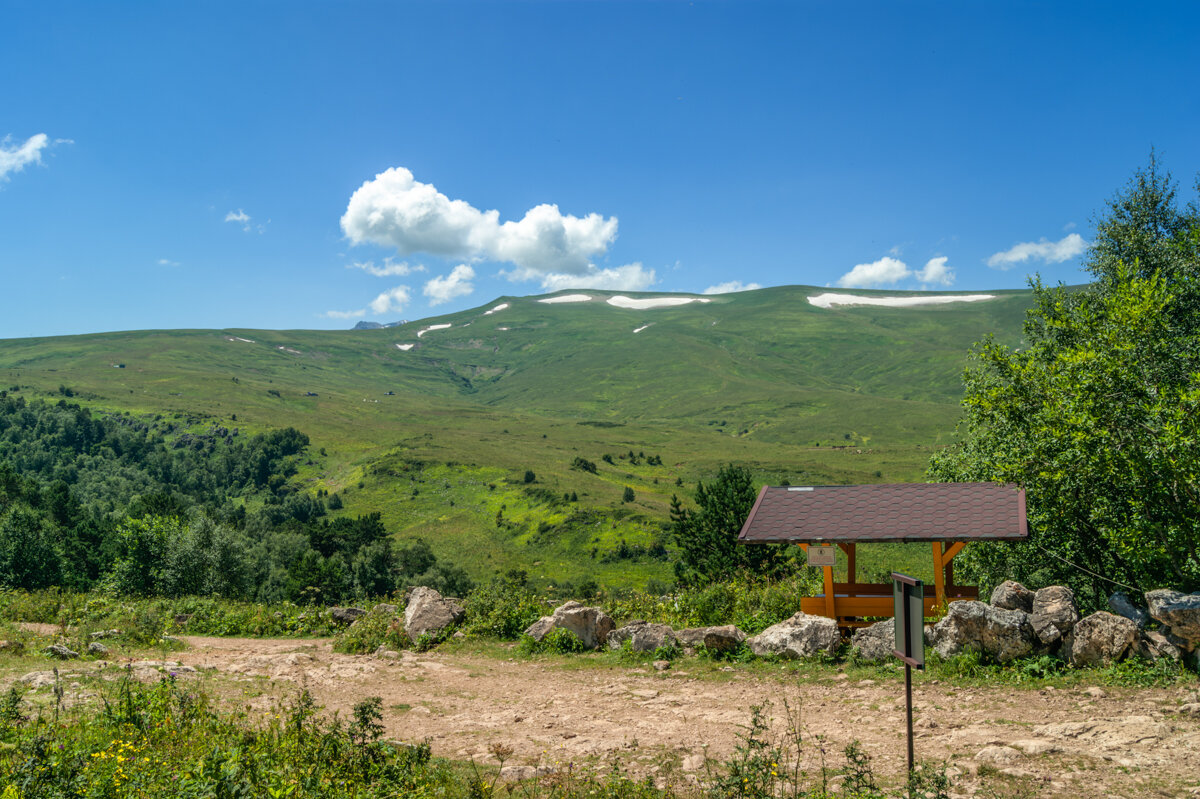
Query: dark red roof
(895, 512)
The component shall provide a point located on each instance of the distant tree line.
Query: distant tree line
(113, 501)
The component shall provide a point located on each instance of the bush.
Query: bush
(379, 627)
(558, 641)
(502, 609)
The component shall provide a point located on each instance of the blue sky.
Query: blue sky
(206, 165)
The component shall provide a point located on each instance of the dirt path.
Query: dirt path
(1111, 742)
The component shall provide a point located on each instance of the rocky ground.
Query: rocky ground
(591, 710)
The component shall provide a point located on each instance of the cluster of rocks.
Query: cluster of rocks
(1018, 623)
(800, 636)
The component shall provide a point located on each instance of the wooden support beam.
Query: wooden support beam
(939, 574)
(950, 550)
(851, 566)
(830, 600)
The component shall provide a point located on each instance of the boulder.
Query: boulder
(1179, 611)
(642, 636)
(800, 636)
(971, 626)
(1153, 645)
(1100, 639)
(429, 613)
(1011, 595)
(96, 648)
(99, 634)
(590, 625)
(1054, 613)
(1122, 605)
(346, 616)
(12, 647)
(385, 609)
(875, 643)
(61, 652)
(724, 638)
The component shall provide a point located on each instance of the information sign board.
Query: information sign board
(822, 556)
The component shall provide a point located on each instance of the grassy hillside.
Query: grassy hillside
(437, 429)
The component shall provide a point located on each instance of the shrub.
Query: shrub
(379, 627)
(502, 609)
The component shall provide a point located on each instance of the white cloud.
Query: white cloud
(888, 271)
(167, 262)
(885, 270)
(240, 217)
(15, 157)
(386, 269)
(444, 288)
(631, 277)
(398, 211)
(346, 314)
(1050, 252)
(730, 287)
(936, 272)
(390, 300)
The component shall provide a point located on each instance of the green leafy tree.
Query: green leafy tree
(707, 536)
(1097, 416)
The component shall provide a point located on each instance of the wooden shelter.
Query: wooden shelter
(945, 515)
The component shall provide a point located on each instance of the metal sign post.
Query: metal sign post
(909, 618)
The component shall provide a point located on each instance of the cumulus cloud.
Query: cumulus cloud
(936, 272)
(386, 269)
(877, 273)
(631, 277)
(15, 157)
(889, 271)
(346, 314)
(1050, 252)
(730, 287)
(396, 210)
(444, 288)
(390, 300)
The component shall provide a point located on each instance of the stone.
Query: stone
(642, 637)
(385, 609)
(61, 652)
(1095, 692)
(38, 679)
(1153, 645)
(874, 644)
(1122, 605)
(1179, 611)
(97, 648)
(1011, 595)
(998, 754)
(589, 624)
(1037, 746)
(1100, 639)
(429, 613)
(662, 665)
(723, 638)
(971, 626)
(101, 634)
(12, 647)
(346, 616)
(1054, 613)
(800, 636)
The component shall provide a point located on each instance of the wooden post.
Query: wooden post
(939, 574)
(830, 601)
(851, 571)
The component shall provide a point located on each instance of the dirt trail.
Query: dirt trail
(1111, 742)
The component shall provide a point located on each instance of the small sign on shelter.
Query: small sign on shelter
(825, 555)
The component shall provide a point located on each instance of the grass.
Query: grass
(762, 379)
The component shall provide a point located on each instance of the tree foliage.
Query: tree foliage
(707, 536)
(1097, 416)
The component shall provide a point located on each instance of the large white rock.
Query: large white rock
(642, 636)
(1179, 611)
(875, 643)
(1054, 613)
(971, 626)
(1100, 639)
(590, 625)
(429, 613)
(800, 636)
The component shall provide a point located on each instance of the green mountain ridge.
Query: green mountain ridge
(436, 429)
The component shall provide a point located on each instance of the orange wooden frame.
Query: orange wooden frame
(851, 601)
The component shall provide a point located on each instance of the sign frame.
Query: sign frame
(822, 555)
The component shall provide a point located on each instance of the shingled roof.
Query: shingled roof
(893, 512)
